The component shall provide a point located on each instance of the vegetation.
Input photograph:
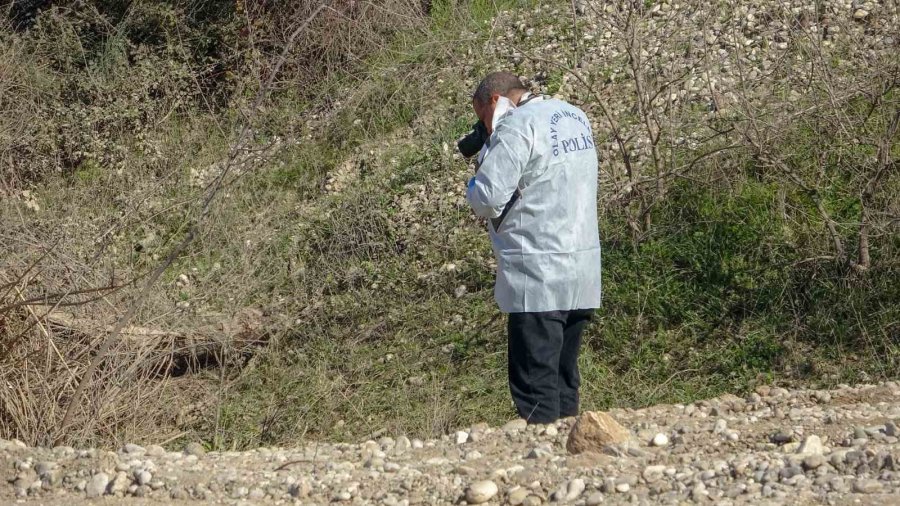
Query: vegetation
(747, 243)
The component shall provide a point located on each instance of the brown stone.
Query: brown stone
(593, 431)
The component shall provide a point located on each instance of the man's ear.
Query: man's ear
(494, 99)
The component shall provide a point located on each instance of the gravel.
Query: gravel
(808, 459)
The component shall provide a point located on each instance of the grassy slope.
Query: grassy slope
(706, 305)
(357, 241)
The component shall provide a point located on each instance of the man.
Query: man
(537, 185)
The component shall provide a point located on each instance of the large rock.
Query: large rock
(595, 430)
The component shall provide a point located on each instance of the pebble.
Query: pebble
(119, 484)
(481, 492)
(660, 440)
(866, 486)
(594, 499)
(195, 449)
(575, 489)
(517, 496)
(782, 437)
(96, 487)
(813, 461)
(533, 500)
(142, 477)
(570, 490)
(539, 452)
(653, 473)
(812, 445)
(155, 451)
(402, 444)
(516, 425)
(134, 449)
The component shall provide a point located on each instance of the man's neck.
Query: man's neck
(516, 95)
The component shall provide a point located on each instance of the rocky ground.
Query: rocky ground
(775, 446)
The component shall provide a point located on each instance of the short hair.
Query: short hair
(500, 83)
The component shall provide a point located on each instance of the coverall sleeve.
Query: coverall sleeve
(501, 169)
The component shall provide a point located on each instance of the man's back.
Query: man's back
(547, 244)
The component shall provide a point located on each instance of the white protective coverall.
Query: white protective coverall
(548, 244)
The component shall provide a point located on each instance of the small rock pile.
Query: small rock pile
(773, 446)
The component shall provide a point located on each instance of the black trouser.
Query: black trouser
(543, 363)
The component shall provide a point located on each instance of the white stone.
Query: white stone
(575, 489)
(97, 486)
(142, 477)
(119, 484)
(155, 451)
(517, 495)
(134, 449)
(812, 445)
(594, 499)
(515, 425)
(653, 473)
(481, 492)
(660, 440)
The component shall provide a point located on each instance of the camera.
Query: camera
(472, 143)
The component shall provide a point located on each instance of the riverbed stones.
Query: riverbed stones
(705, 467)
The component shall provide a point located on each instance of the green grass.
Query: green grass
(555, 81)
(695, 313)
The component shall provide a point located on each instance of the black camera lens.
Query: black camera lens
(472, 143)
